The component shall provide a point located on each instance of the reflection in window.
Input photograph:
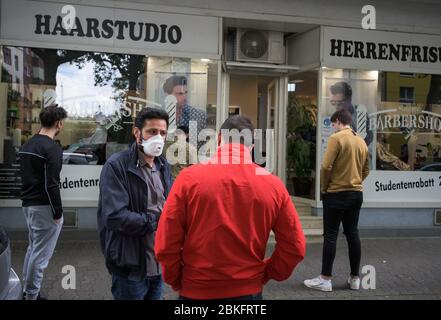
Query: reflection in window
(301, 134)
(399, 115)
(407, 95)
(187, 89)
(356, 92)
(409, 126)
(406, 74)
(102, 93)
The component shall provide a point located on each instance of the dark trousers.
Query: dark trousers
(341, 207)
(257, 296)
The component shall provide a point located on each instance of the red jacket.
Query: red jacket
(213, 232)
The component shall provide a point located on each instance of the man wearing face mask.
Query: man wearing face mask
(41, 159)
(133, 187)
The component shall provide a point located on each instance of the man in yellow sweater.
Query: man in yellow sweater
(345, 165)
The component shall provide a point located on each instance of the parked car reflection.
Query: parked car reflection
(10, 285)
(81, 154)
(432, 167)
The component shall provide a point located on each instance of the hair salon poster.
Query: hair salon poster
(354, 91)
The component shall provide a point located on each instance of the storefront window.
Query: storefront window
(186, 88)
(102, 93)
(408, 123)
(397, 114)
(301, 134)
(399, 117)
(356, 92)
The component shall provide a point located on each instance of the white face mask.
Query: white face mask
(153, 146)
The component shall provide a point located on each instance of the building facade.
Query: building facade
(276, 62)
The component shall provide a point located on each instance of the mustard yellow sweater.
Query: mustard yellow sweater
(345, 163)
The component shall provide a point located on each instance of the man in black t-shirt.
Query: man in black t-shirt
(41, 159)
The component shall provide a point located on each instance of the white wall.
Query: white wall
(304, 49)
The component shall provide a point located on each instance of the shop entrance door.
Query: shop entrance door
(257, 96)
(270, 141)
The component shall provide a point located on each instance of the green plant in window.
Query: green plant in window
(301, 129)
(299, 159)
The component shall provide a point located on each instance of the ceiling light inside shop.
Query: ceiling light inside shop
(291, 87)
(205, 60)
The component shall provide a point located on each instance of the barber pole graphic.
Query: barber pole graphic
(362, 120)
(49, 97)
(170, 106)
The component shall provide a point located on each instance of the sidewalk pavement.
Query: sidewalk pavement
(406, 268)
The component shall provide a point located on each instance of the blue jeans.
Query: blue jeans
(147, 289)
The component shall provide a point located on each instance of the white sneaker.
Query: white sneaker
(319, 284)
(354, 283)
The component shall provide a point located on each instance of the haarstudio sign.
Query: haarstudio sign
(107, 28)
(102, 27)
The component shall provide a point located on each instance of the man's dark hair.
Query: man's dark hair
(172, 82)
(343, 116)
(51, 114)
(183, 129)
(149, 114)
(239, 123)
(343, 88)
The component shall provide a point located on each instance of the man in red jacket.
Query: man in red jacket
(213, 232)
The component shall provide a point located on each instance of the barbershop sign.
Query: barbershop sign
(381, 50)
(46, 22)
(389, 119)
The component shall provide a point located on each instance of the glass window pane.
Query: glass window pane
(356, 92)
(301, 134)
(409, 127)
(102, 93)
(187, 89)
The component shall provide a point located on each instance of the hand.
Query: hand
(152, 222)
(59, 221)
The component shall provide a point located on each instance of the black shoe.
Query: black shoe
(41, 298)
(38, 297)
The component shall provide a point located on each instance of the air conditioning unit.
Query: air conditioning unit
(259, 46)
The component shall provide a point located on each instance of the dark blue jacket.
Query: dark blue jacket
(123, 220)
